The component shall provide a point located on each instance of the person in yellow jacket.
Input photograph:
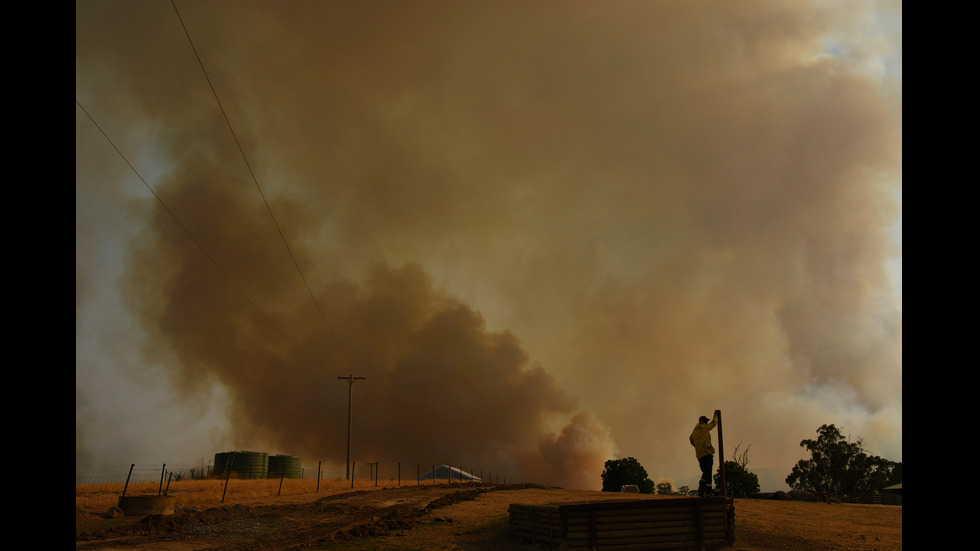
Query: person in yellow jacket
(704, 451)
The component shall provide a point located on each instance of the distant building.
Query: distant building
(449, 474)
(892, 494)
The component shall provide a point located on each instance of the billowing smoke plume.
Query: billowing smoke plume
(438, 388)
(546, 234)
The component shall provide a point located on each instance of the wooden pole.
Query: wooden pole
(721, 455)
(163, 473)
(228, 465)
(350, 397)
(127, 478)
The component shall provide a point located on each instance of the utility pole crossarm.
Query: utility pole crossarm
(350, 391)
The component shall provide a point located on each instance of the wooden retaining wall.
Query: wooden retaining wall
(634, 524)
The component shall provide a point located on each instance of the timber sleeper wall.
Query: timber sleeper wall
(664, 523)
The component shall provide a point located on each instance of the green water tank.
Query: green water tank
(287, 466)
(244, 464)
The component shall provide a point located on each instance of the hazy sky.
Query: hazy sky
(547, 233)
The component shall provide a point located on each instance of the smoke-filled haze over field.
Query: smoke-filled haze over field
(547, 234)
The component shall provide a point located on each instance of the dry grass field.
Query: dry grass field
(197, 494)
(258, 515)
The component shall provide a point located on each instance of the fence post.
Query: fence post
(225, 491)
(228, 464)
(721, 456)
(127, 478)
(163, 472)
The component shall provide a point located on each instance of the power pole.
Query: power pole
(350, 390)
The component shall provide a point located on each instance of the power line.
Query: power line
(259, 188)
(182, 226)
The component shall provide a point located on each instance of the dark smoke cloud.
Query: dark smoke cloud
(439, 386)
(547, 233)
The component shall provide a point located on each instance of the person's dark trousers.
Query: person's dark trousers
(704, 487)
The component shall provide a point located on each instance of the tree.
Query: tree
(619, 472)
(739, 480)
(665, 488)
(896, 475)
(839, 467)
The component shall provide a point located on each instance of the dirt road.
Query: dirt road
(444, 517)
(338, 517)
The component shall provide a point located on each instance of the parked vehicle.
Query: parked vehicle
(630, 489)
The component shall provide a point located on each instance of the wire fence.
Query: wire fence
(107, 475)
(97, 488)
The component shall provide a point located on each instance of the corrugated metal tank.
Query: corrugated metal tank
(287, 466)
(245, 464)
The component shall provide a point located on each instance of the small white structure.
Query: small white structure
(449, 474)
